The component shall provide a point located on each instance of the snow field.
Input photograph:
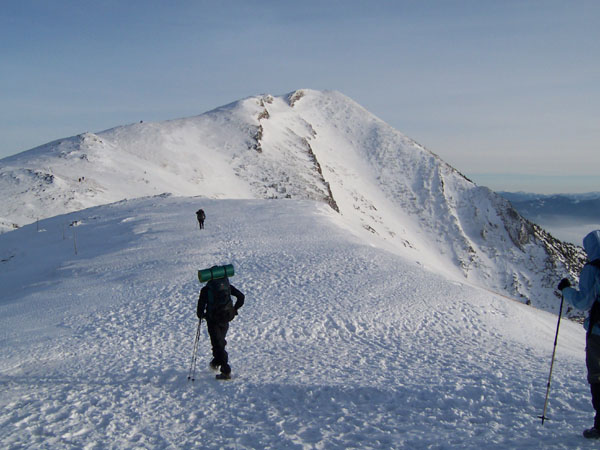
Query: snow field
(339, 344)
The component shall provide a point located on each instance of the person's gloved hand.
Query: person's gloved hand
(564, 283)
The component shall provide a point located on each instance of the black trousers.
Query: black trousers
(217, 332)
(592, 361)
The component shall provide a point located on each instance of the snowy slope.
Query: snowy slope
(340, 344)
(304, 145)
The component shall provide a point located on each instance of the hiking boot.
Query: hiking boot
(592, 433)
(223, 376)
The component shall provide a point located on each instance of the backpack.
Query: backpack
(200, 214)
(219, 306)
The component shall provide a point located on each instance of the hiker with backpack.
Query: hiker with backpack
(200, 216)
(215, 305)
(587, 298)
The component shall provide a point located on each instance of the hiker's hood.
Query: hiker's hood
(591, 245)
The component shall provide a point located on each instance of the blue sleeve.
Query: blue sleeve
(583, 299)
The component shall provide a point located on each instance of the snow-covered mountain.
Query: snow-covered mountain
(304, 145)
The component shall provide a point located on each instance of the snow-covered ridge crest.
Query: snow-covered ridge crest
(307, 144)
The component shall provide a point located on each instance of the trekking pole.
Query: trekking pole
(543, 416)
(192, 372)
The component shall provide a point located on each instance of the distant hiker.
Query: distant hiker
(215, 305)
(587, 298)
(201, 216)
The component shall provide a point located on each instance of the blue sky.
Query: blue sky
(505, 91)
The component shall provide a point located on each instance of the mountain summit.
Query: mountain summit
(308, 144)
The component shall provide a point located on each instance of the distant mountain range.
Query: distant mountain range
(307, 144)
(575, 207)
(567, 216)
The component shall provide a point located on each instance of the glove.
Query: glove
(564, 283)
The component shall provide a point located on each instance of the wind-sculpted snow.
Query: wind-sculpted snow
(339, 345)
(307, 145)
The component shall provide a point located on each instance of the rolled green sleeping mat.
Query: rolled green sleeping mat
(215, 272)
